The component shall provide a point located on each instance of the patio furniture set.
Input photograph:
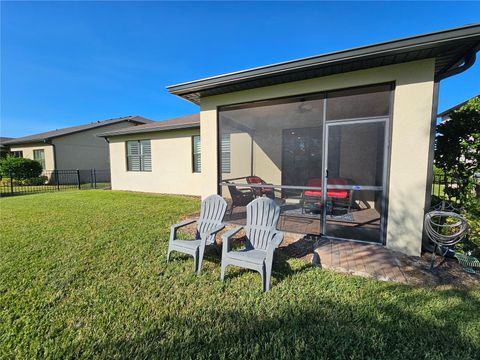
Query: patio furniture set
(261, 239)
(311, 200)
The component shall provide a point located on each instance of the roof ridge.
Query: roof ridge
(45, 135)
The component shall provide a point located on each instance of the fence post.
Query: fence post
(78, 179)
(94, 178)
(57, 182)
(11, 181)
(91, 178)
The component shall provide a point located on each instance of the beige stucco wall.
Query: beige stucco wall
(28, 152)
(412, 111)
(171, 164)
(83, 150)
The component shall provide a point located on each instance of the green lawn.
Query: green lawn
(83, 274)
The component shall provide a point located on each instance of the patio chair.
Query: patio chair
(208, 225)
(259, 192)
(240, 197)
(261, 240)
(312, 199)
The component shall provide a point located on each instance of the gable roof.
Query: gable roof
(181, 122)
(456, 107)
(3, 139)
(453, 49)
(45, 136)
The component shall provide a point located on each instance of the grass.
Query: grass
(83, 274)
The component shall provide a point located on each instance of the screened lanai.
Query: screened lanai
(323, 158)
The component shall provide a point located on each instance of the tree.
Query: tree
(458, 149)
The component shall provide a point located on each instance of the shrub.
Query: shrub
(20, 168)
(40, 180)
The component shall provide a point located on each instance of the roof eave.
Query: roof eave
(143, 131)
(50, 138)
(42, 140)
(364, 52)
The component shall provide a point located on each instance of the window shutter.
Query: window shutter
(133, 155)
(146, 152)
(225, 153)
(197, 161)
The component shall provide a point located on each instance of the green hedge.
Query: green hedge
(20, 168)
(39, 180)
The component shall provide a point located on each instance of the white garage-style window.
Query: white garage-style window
(139, 155)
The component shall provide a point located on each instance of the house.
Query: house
(344, 138)
(157, 157)
(75, 147)
(445, 115)
(4, 149)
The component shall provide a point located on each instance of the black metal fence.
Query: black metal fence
(441, 182)
(54, 180)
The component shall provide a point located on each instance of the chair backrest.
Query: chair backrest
(317, 182)
(262, 219)
(233, 191)
(211, 215)
(254, 180)
(337, 181)
(239, 198)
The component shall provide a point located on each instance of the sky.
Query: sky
(70, 63)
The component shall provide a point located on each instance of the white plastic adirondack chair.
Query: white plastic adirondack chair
(208, 225)
(262, 238)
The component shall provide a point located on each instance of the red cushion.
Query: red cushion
(336, 193)
(342, 194)
(313, 193)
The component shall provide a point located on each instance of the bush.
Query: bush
(40, 180)
(20, 168)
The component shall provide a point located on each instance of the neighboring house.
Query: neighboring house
(4, 149)
(75, 147)
(157, 157)
(445, 115)
(346, 138)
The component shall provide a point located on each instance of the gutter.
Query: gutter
(465, 63)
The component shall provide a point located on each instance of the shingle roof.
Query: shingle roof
(187, 121)
(3, 139)
(456, 107)
(74, 129)
(450, 48)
